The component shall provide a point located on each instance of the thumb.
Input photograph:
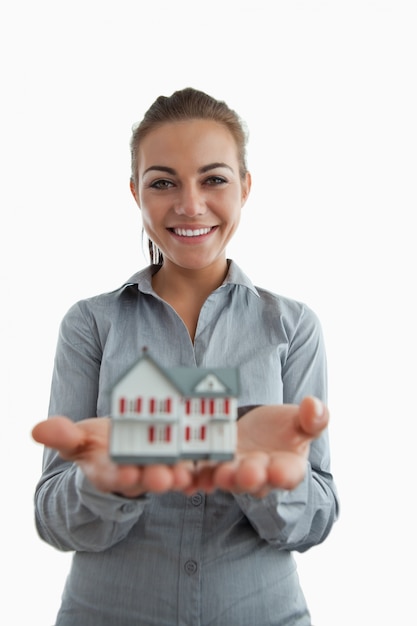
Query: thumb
(314, 416)
(58, 432)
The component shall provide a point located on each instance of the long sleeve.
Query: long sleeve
(296, 519)
(70, 514)
(303, 517)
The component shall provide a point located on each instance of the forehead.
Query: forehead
(205, 140)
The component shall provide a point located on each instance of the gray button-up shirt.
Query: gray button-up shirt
(218, 559)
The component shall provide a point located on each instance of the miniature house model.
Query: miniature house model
(162, 415)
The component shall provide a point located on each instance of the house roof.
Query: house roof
(187, 379)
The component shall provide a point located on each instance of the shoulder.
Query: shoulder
(100, 304)
(273, 306)
(114, 299)
(95, 315)
(290, 308)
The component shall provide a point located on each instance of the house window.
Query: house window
(207, 406)
(195, 433)
(160, 406)
(159, 433)
(195, 406)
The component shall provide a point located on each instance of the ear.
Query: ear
(246, 186)
(134, 192)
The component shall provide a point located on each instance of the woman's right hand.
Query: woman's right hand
(87, 443)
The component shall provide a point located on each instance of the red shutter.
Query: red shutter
(202, 406)
(187, 433)
(188, 407)
(168, 433)
(226, 406)
(122, 405)
(168, 405)
(202, 433)
(152, 405)
(151, 434)
(138, 405)
(212, 406)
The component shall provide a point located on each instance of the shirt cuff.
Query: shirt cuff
(107, 506)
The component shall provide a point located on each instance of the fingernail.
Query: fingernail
(318, 406)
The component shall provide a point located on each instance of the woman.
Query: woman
(192, 544)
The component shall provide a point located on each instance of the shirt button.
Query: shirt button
(196, 499)
(190, 567)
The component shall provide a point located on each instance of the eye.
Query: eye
(215, 180)
(161, 183)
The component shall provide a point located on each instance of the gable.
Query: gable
(144, 378)
(210, 384)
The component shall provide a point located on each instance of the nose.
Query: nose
(190, 201)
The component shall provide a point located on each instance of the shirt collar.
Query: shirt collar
(235, 276)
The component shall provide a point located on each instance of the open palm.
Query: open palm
(272, 452)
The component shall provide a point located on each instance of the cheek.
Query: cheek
(148, 223)
(152, 206)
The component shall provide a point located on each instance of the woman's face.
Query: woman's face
(190, 191)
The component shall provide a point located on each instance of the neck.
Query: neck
(179, 280)
(186, 290)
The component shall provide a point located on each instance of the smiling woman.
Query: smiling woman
(208, 532)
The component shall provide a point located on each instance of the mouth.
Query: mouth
(192, 232)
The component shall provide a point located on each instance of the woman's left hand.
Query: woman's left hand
(272, 452)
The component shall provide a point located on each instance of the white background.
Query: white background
(328, 90)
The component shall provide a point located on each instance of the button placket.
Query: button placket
(191, 552)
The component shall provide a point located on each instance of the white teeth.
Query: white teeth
(191, 233)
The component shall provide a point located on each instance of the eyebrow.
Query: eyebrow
(201, 170)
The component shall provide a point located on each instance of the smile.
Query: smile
(188, 232)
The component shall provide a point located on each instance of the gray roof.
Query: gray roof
(185, 379)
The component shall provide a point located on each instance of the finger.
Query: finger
(247, 474)
(133, 480)
(313, 416)
(252, 473)
(127, 481)
(204, 476)
(109, 477)
(286, 470)
(157, 478)
(224, 474)
(183, 474)
(60, 433)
